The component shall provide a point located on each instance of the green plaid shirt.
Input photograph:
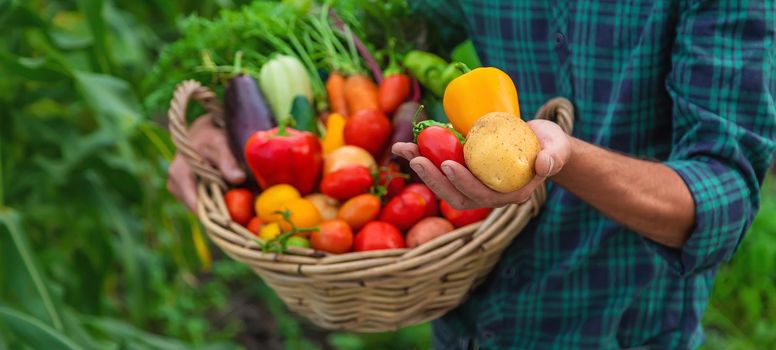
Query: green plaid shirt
(687, 83)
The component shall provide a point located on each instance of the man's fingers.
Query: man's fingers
(181, 183)
(546, 165)
(465, 182)
(555, 144)
(406, 150)
(217, 152)
(437, 182)
(228, 165)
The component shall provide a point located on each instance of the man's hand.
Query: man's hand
(463, 190)
(211, 143)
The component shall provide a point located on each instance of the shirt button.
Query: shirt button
(508, 272)
(560, 39)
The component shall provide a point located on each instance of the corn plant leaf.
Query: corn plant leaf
(10, 219)
(34, 332)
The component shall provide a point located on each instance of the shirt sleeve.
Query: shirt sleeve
(724, 121)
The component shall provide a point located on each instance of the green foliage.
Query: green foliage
(742, 311)
(94, 250)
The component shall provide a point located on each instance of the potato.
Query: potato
(500, 150)
(426, 230)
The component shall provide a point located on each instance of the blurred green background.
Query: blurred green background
(94, 253)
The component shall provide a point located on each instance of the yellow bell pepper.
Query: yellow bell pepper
(334, 138)
(476, 93)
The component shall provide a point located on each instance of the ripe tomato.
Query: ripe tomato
(359, 210)
(334, 236)
(255, 225)
(303, 214)
(463, 217)
(347, 183)
(432, 208)
(404, 210)
(239, 204)
(272, 199)
(439, 144)
(397, 181)
(378, 235)
(368, 129)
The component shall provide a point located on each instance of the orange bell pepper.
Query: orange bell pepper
(476, 93)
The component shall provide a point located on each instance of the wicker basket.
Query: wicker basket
(367, 291)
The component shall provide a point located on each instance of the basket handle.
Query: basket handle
(186, 90)
(561, 111)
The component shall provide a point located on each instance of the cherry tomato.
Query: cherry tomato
(255, 225)
(439, 144)
(397, 181)
(297, 241)
(404, 210)
(463, 217)
(347, 183)
(270, 231)
(359, 210)
(303, 214)
(239, 204)
(378, 235)
(369, 129)
(334, 236)
(432, 207)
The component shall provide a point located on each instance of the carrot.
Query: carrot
(335, 88)
(361, 93)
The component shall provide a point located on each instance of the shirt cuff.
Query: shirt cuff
(722, 207)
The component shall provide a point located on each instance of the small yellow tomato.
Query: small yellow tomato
(303, 213)
(272, 199)
(269, 231)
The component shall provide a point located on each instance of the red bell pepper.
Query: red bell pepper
(284, 155)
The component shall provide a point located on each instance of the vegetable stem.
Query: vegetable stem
(417, 113)
(462, 66)
(237, 62)
(370, 60)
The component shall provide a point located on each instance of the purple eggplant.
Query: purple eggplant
(245, 111)
(403, 121)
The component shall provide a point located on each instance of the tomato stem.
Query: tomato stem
(417, 113)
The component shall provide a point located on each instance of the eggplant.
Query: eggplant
(245, 112)
(403, 121)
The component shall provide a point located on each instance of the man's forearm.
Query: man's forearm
(647, 197)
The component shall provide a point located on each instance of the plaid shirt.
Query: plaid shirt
(687, 83)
